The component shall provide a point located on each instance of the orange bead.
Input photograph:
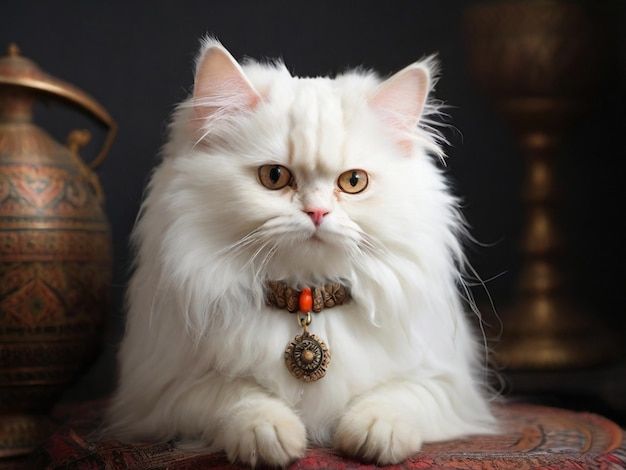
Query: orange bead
(305, 301)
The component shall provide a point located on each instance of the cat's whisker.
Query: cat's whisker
(240, 247)
(266, 259)
(369, 244)
(258, 240)
(242, 242)
(358, 256)
(256, 253)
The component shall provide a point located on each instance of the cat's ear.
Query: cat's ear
(400, 100)
(220, 84)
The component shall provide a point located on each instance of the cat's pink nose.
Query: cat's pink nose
(316, 214)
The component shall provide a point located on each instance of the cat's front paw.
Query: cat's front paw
(265, 432)
(375, 430)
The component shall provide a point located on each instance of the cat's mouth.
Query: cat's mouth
(317, 238)
(322, 236)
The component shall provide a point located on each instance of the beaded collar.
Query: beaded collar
(280, 295)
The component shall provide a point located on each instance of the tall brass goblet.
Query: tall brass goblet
(534, 59)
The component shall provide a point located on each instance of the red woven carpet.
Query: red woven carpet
(532, 437)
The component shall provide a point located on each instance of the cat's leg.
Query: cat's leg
(390, 423)
(247, 422)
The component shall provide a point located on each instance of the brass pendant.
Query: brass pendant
(307, 357)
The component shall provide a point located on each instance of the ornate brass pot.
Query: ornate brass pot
(55, 253)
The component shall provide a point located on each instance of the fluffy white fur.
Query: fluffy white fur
(202, 358)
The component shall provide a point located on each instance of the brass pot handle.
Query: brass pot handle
(20, 71)
(86, 102)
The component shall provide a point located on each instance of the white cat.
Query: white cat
(270, 184)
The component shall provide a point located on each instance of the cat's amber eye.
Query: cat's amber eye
(274, 176)
(353, 181)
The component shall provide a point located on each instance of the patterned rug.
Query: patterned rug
(532, 437)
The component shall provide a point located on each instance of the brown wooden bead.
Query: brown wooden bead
(318, 300)
(291, 299)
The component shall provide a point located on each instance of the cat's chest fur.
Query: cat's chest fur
(362, 355)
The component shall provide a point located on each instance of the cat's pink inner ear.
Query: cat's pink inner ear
(400, 99)
(220, 83)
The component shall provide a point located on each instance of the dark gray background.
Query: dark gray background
(136, 58)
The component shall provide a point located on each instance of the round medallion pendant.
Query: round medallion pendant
(307, 357)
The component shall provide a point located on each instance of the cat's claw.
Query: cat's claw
(376, 431)
(266, 432)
